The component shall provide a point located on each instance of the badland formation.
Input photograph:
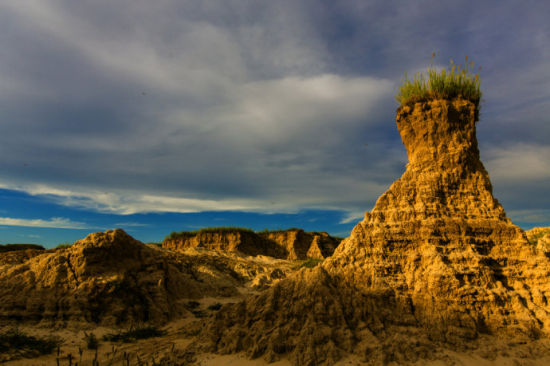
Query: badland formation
(434, 272)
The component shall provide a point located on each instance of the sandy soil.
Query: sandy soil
(173, 344)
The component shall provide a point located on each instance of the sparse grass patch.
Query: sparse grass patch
(15, 340)
(309, 263)
(133, 335)
(276, 231)
(64, 245)
(14, 247)
(220, 229)
(215, 307)
(457, 81)
(91, 341)
(192, 304)
(535, 238)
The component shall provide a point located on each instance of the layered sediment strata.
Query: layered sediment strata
(299, 244)
(242, 241)
(112, 279)
(436, 259)
(293, 244)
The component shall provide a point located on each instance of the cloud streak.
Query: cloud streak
(125, 107)
(54, 222)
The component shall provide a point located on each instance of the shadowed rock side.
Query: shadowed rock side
(299, 244)
(435, 262)
(287, 244)
(20, 256)
(112, 279)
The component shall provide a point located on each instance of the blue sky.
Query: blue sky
(173, 115)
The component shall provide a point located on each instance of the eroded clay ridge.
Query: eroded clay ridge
(112, 279)
(435, 262)
(287, 244)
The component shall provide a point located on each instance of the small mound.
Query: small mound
(316, 318)
(540, 238)
(107, 278)
(19, 256)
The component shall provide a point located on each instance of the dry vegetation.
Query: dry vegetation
(457, 81)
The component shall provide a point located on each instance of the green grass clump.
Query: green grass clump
(63, 245)
(91, 341)
(215, 307)
(276, 231)
(309, 263)
(220, 229)
(457, 81)
(15, 340)
(133, 335)
(14, 247)
(535, 238)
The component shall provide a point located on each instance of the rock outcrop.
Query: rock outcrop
(435, 262)
(540, 238)
(299, 244)
(112, 279)
(286, 244)
(243, 241)
(19, 256)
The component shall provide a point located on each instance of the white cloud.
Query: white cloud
(519, 162)
(125, 107)
(535, 216)
(54, 222)
(354, 216)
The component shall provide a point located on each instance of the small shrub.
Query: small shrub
(198, 313)
(535, 238)
(276, 231)
(192, 305)
(215, 307)
(63, 245)
(309, 263)
(14, 247)
(133, 335)
(456, 81)
(16, 340)
(91, 341)
(220, 229)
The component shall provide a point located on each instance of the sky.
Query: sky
(174, 115)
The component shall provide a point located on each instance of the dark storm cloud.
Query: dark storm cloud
(182, 106)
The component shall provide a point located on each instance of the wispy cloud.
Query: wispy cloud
(536, 216)
(519, 162)
(130, 224)
(352, 217)
(54, 222)
(125, 107)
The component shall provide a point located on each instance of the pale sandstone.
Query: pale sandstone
(293, 244)
(436, 262)
(112, 279)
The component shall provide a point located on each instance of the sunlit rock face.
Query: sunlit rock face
(111, 279)
(438, 238)
(293, 244)
(436, 260)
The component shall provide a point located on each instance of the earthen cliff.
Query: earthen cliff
(288, 244)
(436, 262)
